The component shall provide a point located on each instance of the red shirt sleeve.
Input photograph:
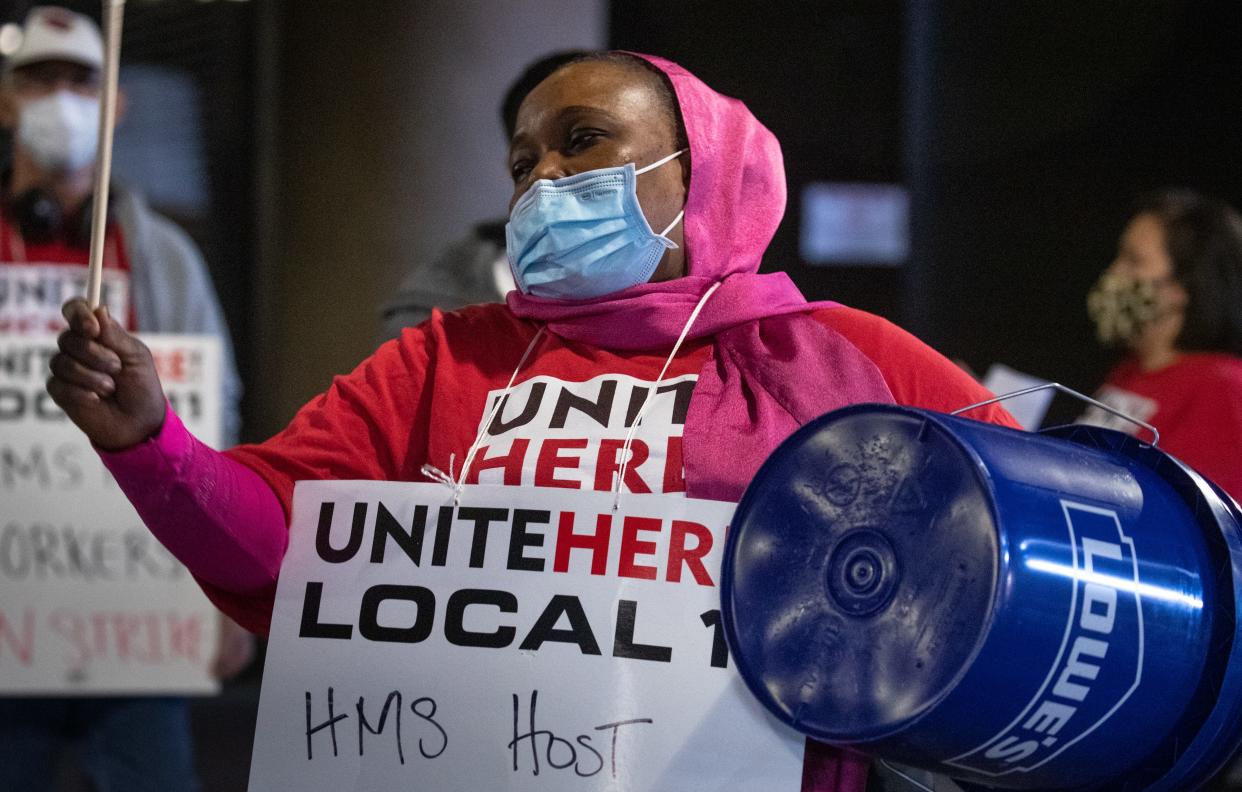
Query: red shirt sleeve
(917, 375)
(371, 424)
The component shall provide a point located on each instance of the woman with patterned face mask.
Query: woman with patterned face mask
(1172, 300)
(643, 203)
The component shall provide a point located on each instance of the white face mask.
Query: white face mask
(60, 130)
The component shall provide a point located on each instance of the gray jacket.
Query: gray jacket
(172, 291)
(461, 275)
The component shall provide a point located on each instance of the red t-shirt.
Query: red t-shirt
(37, 279)
(421, 398)
(1196, 403)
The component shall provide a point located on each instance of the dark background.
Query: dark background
(1023, 130)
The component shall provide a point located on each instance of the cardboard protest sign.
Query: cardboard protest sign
(523, 639)
(90, 602)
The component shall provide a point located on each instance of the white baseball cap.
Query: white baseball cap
(52, 33)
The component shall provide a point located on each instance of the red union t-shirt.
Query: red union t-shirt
(1196, 403)
(37, 279)
(421, 398)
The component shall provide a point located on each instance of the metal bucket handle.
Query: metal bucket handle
(1155, 433)
(914, 782)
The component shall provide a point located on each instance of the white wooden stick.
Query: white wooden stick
(113, 17)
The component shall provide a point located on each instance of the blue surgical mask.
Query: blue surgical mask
(584, 235)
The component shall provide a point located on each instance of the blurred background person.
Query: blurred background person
(1171, 301)
(155, 280)
(474, 269)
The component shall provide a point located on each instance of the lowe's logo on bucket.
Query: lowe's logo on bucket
(1100, 660)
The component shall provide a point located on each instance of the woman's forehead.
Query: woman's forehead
(1145, 230)
(622, 92)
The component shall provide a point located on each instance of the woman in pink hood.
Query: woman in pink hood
(643, 203)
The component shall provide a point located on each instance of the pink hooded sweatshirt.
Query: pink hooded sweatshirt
(758, 385)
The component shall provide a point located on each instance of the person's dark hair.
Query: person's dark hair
(534, 74)
(662, 85)
(1203, 238)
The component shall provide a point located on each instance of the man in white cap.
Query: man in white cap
(155, 281)
(154, 276)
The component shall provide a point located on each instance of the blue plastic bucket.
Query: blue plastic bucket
(1015, 610)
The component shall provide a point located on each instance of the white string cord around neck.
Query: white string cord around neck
(619, 475)
(435, 474)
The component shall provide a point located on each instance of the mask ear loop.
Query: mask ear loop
(680, 214)
(435, 474)
(673, 225)
(619, 476)
(659, 162)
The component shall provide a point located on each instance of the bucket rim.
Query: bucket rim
(982, 477)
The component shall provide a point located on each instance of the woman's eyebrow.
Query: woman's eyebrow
(571, 111)
(519, 140)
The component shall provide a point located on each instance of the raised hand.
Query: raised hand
(105, 379)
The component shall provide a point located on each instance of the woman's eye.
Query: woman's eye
(519, 170)
(583, 138)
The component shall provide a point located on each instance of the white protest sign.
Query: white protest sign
(90, 602)
(1029, 409)
(526, 639)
